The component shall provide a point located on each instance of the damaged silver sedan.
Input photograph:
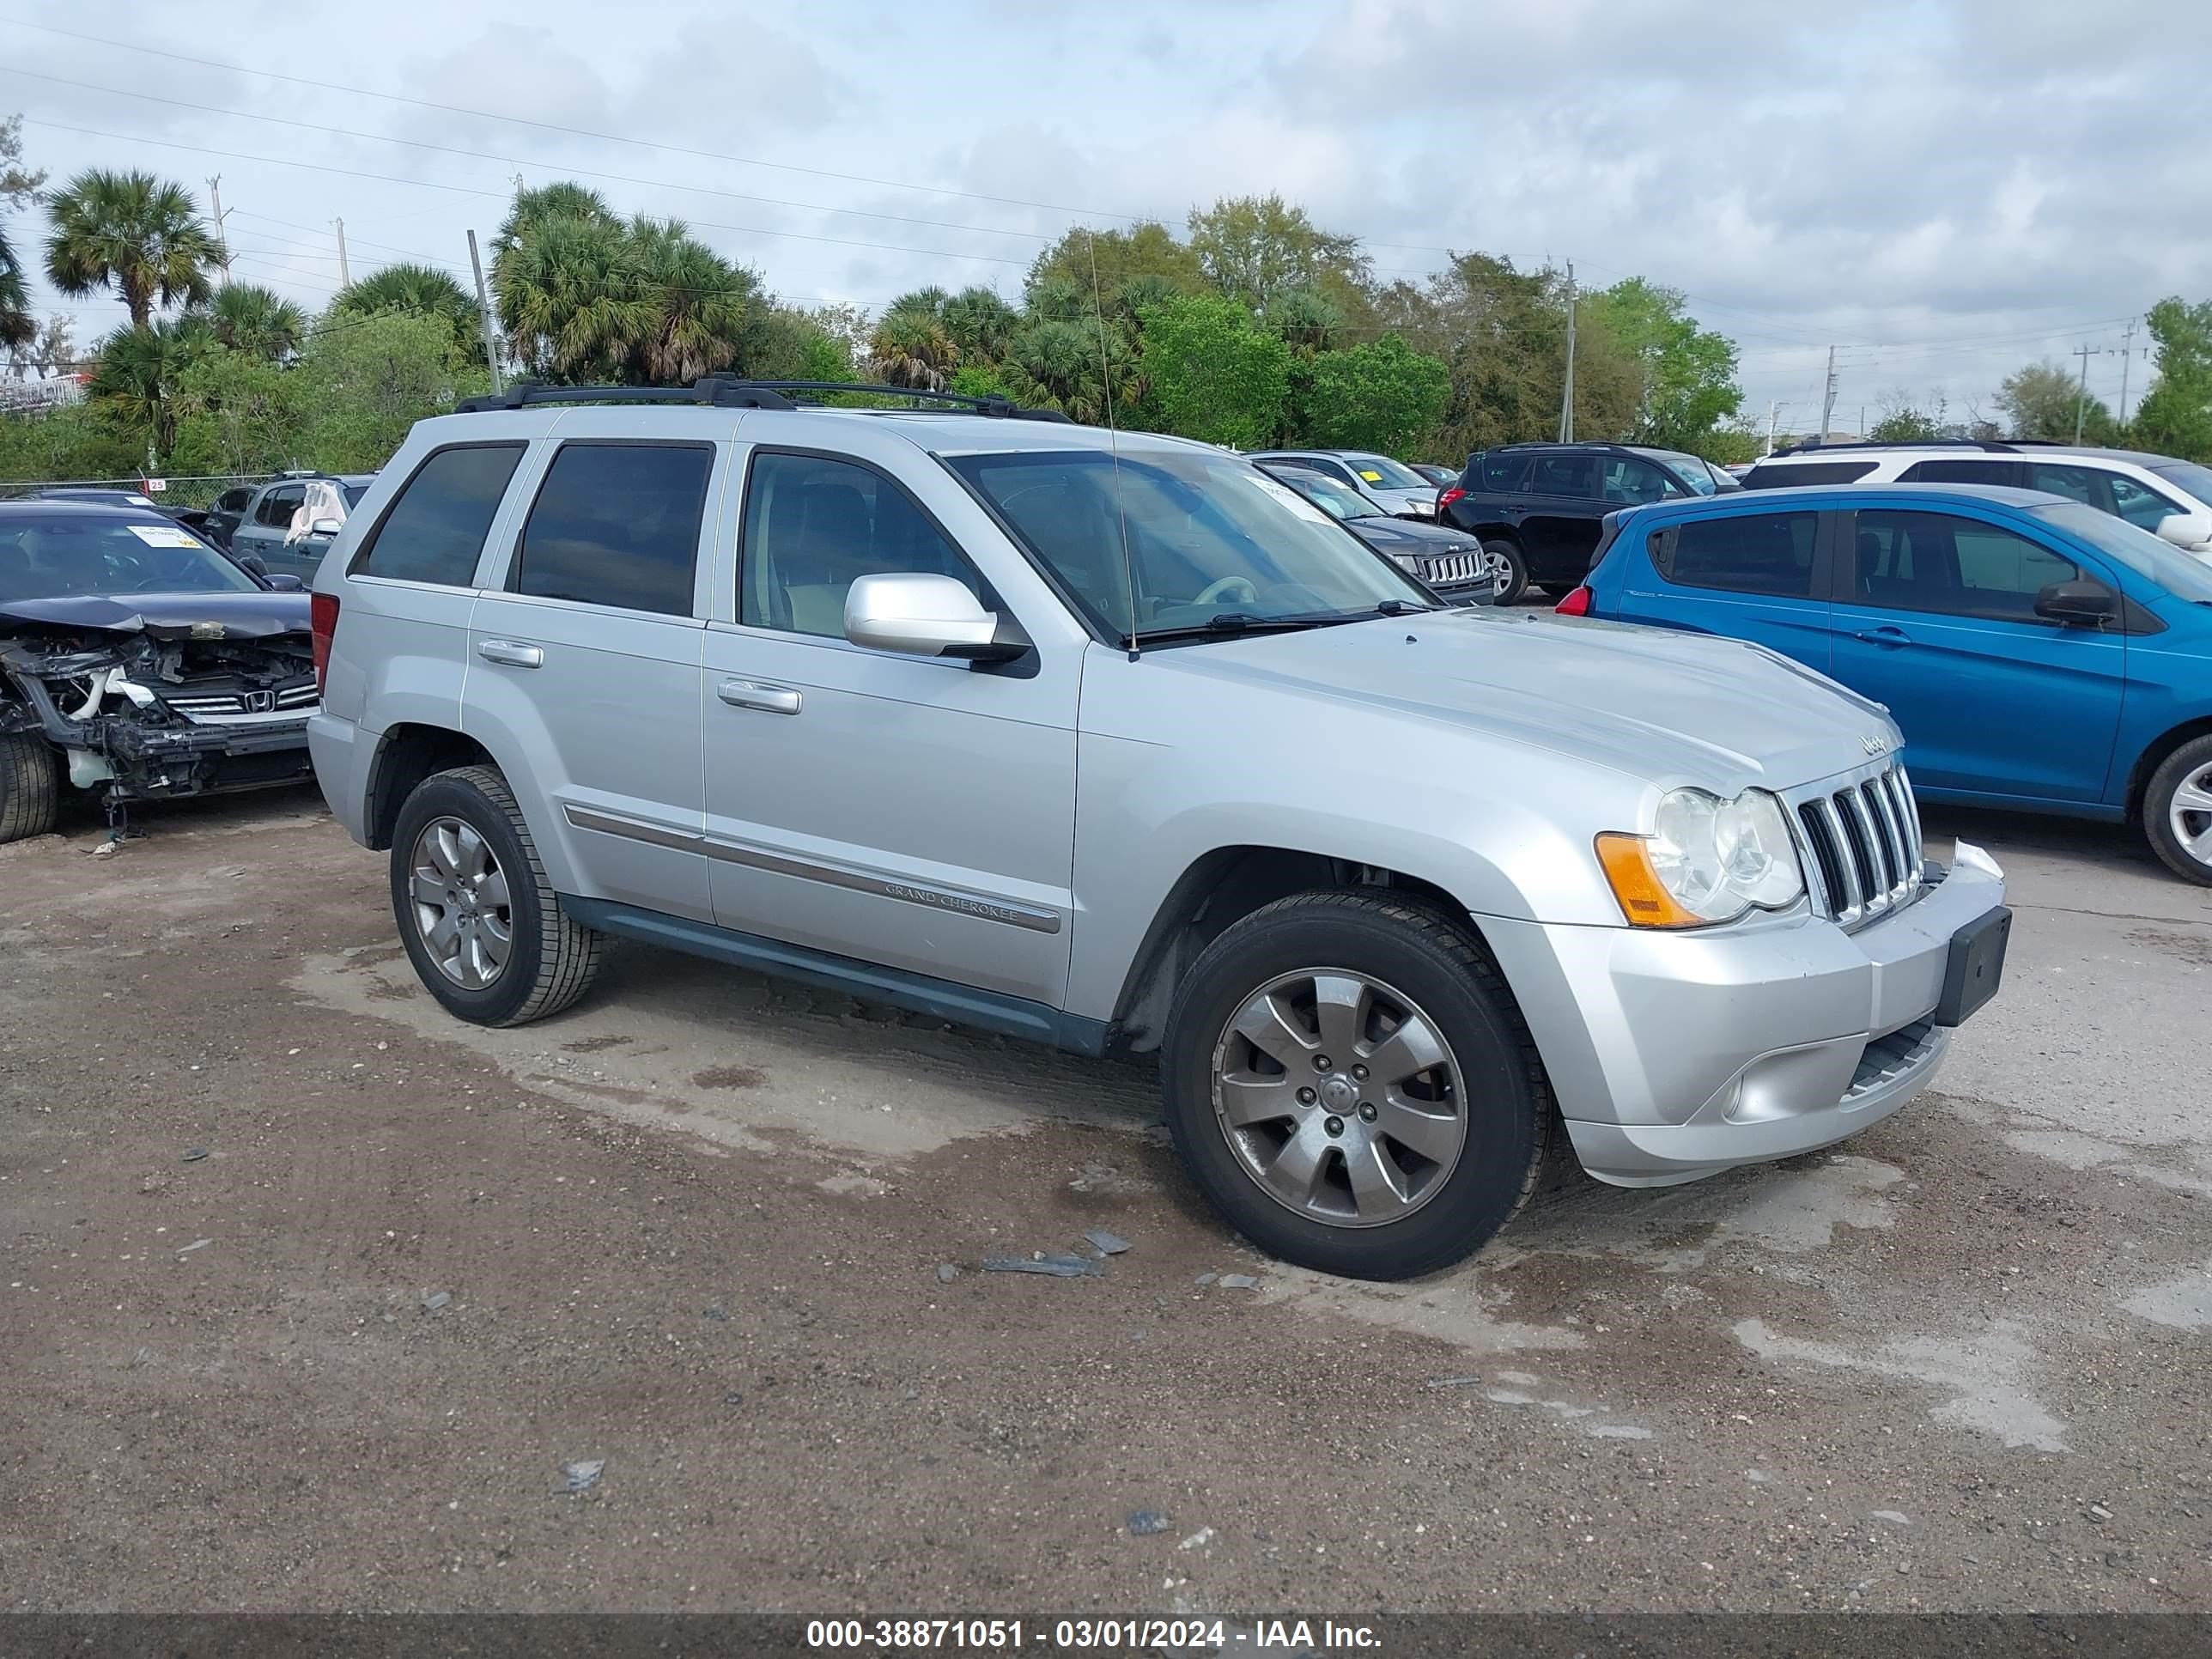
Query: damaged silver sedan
(139, 663)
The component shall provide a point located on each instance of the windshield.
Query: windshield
(2145, 554)
(353, 493)
(1692, 473)
(76, 557)
(1209, 536)
(1337, 501)
(1385, 473)
(2187, 476)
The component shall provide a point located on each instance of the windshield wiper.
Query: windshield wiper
(1230, 622)
(1399, 608)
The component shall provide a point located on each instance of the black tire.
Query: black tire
(1508, 1104)
(1516, 586)
(2191, 761)
(30, 785)
(553, 959)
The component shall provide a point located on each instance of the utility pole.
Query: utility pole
(222, 237)
(345, 277)
(1861, 420)
(2081, 398)
(1828, 399)
(2127, 356)
(1567, 396)
(1773, 408)
(484, 310)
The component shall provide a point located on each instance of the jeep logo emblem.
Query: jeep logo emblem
(1874, 744)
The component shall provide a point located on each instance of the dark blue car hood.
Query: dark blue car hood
(256, 616)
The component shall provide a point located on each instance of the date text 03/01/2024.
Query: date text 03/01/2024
(1010, 1635)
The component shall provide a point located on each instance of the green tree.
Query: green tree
(980, 323)
(422, 289)
(2176, 416)
(364, 387)
(1305, 320)
(134, 232)
(241, 412)
(1068, 365)
(2043, 401)
(245, 317)
(568, 298)
(700, 303)
(18, 188)
(76, 440)
(139, 380)
(1251, 248)
(1382, 396)
(912, 346)
(1213, 376)
(1688, 373)
(1904, 422)
(1101, 261)
(566, 199)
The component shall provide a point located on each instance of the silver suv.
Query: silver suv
(1117, 744)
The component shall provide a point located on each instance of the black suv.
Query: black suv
(1540, 508)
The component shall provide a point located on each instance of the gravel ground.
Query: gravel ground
(311, 1296)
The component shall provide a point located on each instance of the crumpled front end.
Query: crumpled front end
(159, 714)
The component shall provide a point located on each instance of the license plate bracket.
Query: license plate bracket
(1975, 967)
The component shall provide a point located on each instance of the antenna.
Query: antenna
(1113, 438)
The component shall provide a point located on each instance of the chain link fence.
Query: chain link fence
(197, 491)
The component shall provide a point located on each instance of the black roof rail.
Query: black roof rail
(727, 391)
(1985, 445)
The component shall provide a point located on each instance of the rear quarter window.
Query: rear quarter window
(1495, 470)
(1779, 475)
(1768, 553)
(435, 530)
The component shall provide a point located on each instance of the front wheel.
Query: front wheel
(30, 786)
(2178, 811)
(1510, 565)
(479, 919)
(1351, 1085)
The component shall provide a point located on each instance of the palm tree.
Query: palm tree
(1060, 363)
(564, 200)
(1307, 320)
(911, 345)
(137, 381)
(423, 289)
(980, 323)
(569, 296)
(17, 327)
(245, 317)
(701, 303)
(139, 234)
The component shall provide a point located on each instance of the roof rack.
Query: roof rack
(1985, 446)
(726, 392)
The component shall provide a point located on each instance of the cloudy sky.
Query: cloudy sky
(1944, 191)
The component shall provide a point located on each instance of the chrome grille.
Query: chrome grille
(1861, 844)
(232, 703)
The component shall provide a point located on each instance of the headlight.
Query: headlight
(1706, 860)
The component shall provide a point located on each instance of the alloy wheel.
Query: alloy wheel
(460, 902)
(2190, 814)
(1339, 1097)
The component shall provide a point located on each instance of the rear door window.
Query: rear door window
(1980, 471)
(435, 530)
(1565, 474)
(1504, 469)
(1769, 554)
(617, 523)
(278, 506)
(2089, 485)
(1953, 566)
(1781, 475)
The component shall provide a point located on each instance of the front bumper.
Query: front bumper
(1676, 1055)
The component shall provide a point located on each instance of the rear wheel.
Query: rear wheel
(30, 785)
(1511, 565)
(479, 919)
(1351, 1085)
(2178, 811)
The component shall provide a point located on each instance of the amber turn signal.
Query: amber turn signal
(1644, 899)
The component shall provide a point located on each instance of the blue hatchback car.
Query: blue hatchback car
(2036, 652)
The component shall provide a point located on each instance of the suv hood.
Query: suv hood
(253, 615)
(1666, 707)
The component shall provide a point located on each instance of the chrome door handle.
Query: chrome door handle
(513, 653)
(752, 694)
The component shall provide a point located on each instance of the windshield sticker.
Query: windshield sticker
(1286, 496)
(1371, 477)
(164, 535)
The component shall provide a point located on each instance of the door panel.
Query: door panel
(1938, 622)
(1560, 518)
(1756, 576)
(906, 810)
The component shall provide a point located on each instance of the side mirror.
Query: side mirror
(325, 527)
(2186, 531)
(2077, 604)
(283, 583)
(924, 615)
(251, 562)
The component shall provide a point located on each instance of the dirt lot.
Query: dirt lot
(310, 1294)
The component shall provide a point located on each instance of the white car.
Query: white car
(2154, 492)
(1391, 485)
